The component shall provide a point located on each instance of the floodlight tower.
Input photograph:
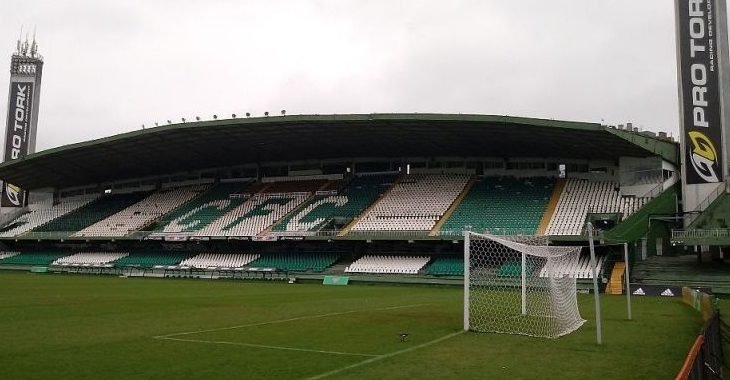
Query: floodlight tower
(26, 69)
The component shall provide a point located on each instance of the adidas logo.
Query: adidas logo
(639, 292)
(668, 293)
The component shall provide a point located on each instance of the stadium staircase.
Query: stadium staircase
(551, 206)
(616, 282)
(437, 228)
(683, 271)
(715, 216)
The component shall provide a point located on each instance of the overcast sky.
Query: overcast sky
(111, 66)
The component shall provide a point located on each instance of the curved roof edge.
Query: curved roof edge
(186, 146)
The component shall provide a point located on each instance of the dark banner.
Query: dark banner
(656, 290)
(699, 90)
(16, 136)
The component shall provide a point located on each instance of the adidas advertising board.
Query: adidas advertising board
(20, 110)
(699, 90)
(655, 290)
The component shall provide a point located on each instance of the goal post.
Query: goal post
(519, 285)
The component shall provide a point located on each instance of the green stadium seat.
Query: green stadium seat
(502, 205)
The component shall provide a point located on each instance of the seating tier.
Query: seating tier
(581, 197)
(388, 264)
(143, 212)
(347, 204)
(415, 203)
(42, 215)
(298, 262)
(446, 266)
(91, 213)
(32, 258)
(219, 260)
(149, 259)
(502, 205)
(202, 211)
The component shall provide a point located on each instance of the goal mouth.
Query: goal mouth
(519, 285)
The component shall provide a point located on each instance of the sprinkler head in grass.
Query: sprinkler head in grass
(403, 336)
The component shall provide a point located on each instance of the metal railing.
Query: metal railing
(705, 359)
(69, 235)
(699, 234)
(692, 215)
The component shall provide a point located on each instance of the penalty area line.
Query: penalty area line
(252, 345)
(305, 317)
(386, 356)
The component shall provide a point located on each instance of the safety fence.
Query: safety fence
(705, 358)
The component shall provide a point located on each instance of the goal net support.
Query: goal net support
(519, 285)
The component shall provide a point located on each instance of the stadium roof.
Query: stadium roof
(208, 144)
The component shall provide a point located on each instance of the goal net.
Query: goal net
(519, 285)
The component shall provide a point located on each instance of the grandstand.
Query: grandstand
(286, 200)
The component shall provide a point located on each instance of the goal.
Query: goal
(519, 285)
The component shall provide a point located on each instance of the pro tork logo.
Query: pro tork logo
(704, 157)
(13, 194)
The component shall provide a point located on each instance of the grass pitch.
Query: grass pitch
(87, 327)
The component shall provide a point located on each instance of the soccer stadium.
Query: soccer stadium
(363, 246)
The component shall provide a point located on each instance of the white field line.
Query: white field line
(266, 346)
(381, 357)
(286, 320)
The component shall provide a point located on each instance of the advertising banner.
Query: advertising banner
(16, 136)
(699, 91)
